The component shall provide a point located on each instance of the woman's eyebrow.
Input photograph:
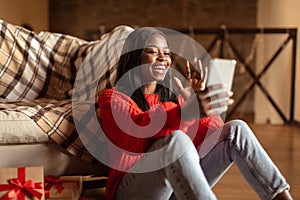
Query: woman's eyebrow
(154, 46)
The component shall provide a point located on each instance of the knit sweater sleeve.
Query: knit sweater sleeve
(122, 118)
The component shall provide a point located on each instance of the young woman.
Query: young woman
(155, 135)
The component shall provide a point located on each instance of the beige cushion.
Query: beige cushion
(54, 159)
(22, 136)
(17, 128)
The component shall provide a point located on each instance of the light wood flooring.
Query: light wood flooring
(282, 143)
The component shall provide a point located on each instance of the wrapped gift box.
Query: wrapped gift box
(63, 187)
(22, 183)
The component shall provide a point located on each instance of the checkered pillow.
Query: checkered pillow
(37, 65)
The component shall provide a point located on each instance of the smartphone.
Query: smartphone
(221, 71)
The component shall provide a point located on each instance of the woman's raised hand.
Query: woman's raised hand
(196, 80)
(212, 100)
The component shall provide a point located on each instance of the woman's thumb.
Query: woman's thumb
(178, 84)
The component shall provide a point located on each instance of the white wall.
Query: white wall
(277, 14)
(34, 12)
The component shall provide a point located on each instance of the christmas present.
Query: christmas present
(22, 183)
(63, 187)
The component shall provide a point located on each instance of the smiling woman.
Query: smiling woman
(156, 59)
(155, 135)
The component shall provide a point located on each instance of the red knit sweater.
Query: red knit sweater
(133, 130)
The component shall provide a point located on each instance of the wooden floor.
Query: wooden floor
(282, 143)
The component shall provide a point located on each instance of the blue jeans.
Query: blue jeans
(191, 176)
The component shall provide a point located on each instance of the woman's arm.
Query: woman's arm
(121, 112)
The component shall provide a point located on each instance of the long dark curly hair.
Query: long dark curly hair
(131, 58)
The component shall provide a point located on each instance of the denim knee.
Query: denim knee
(165, 151)
(177, 144)
(237, 123)
(180, 138)
(238, 128)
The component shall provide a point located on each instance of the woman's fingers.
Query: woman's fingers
(197, 78)
(216, 87)
(201, 72)
(178, 84)
(216, 96)
(199, 69)
(205, 74)
(217, 107)
(188, 70)
(185, 92)
(215, 104)
(218, 104)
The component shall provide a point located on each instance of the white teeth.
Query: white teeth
(159, 67)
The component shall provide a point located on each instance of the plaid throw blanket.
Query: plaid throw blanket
(38, 72)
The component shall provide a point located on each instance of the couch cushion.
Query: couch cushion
(18, 128)
(44, 155)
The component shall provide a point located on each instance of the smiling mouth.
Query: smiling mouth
(160, 69)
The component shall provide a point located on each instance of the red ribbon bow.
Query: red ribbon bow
(57, 182)
(18, 188)
(53, 180)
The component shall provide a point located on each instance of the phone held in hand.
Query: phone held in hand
(221, 71)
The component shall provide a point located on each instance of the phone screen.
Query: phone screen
(221, 71)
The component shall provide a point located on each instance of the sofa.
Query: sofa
(44, 120)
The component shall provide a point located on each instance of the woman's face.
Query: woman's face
(156, 59)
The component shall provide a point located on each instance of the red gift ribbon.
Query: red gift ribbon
(57, 182)
(19, 187)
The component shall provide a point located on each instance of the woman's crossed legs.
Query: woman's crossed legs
(191, 180)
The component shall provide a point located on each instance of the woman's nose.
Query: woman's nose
(161, 56)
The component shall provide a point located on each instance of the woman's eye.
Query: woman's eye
(156, 51)
(152, 52)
